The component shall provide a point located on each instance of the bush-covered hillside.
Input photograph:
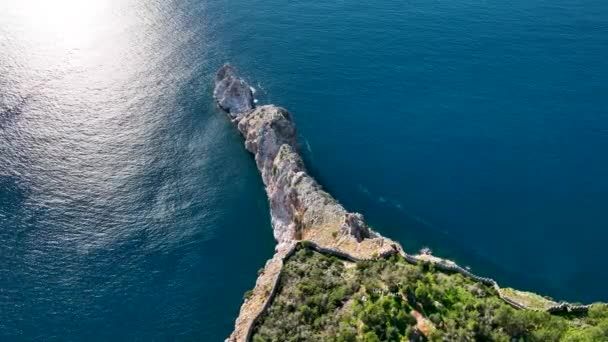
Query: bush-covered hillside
(323, 298)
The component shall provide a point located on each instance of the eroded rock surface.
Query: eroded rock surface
(232, 93)
(299, 208)
(355, 226)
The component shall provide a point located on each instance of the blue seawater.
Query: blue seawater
(129, 209)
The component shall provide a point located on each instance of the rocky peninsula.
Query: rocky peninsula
(305, 217)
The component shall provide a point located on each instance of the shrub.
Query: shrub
(321, 300)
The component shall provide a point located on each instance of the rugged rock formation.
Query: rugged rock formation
(357, 228)
(300, 209)
(231, 92)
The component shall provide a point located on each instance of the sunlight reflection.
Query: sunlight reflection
(67, 23)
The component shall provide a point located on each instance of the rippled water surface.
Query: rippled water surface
(130, 210)
(128, 207)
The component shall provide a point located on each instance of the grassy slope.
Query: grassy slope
(326, 299)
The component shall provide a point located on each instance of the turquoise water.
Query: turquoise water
(129, 208)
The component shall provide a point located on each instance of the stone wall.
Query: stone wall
(273, 293)
(441, 266)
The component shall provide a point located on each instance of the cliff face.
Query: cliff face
(300, 209)
(231, 92)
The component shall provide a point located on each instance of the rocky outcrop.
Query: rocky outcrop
(231, 92)
(299, 208)
(357, 228)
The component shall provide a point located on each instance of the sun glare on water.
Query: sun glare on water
(49, 39)
(65, 23)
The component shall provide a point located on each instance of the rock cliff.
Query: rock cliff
(299, 208)
(231, 92)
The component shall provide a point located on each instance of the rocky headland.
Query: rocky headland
(299, 208)
(302, 212)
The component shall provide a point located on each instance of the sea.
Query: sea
(130, 210)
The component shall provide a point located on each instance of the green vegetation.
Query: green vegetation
(323, 298)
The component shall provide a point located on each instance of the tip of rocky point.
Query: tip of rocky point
(232, 93)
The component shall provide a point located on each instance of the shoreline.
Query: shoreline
(302, 213)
